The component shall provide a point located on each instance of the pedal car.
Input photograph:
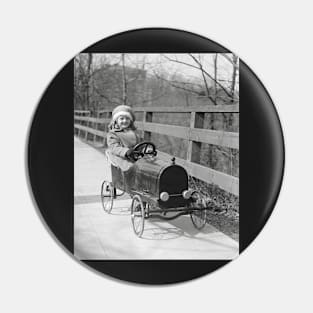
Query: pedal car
(158, 189)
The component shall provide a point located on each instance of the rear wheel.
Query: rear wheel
(198, 217)
(107, 196)
(138, 215)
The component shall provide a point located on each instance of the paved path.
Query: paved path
(99, 235)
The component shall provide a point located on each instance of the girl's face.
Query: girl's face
(123, 121)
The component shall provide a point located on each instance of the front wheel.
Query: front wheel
(107, 196)
(199, 215)
(138, 215)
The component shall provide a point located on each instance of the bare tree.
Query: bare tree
(227, 92)
(82, 80)
(124, 80)
(235, 60)
(215, 74)
(108, 80)
(88, 79)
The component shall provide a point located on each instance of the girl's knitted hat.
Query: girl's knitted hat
(123, 110)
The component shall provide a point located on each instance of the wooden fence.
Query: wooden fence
(195, 135)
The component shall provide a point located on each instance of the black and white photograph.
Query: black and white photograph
(197, 81)
(156, 156)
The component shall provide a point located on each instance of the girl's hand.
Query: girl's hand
(130, 154)
(133, 155)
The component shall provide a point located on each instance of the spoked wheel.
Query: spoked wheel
(138, 215)
(198, 217)
(107, 196)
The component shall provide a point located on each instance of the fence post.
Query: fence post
(108, 115)
(104, 129)
(76, 122)
(95, 125)
(87, 125)
(147, 117)
(194, 147)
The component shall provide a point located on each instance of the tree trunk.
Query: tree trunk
(124, 80)
(215, 75)
(87, 84)
(233, 83)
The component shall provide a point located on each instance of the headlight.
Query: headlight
(164, 196)
(187, 194)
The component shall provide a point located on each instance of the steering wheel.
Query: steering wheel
(144, 148)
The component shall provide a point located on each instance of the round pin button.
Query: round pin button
(166, 161)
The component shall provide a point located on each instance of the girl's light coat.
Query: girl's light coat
(119, 141)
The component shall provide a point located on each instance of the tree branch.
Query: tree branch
(202, 73)
(211, 77)
(230, 60)
(183, 88)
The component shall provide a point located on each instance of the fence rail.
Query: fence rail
(221, 108)
(195, 135)
(214, 137)
(82, 112)
(90, 130)
(92, 119)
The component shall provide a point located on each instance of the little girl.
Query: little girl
(122, 137)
